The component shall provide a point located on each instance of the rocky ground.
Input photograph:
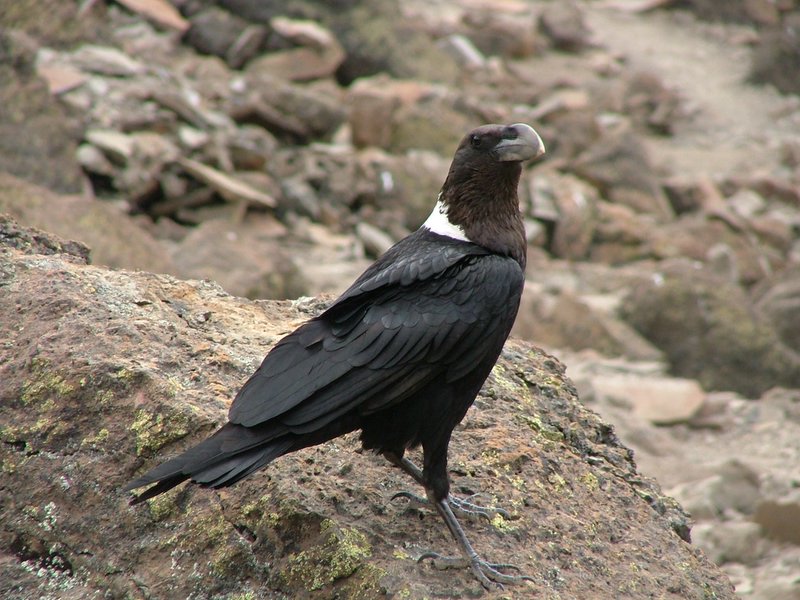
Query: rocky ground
(85, 409)
(277, 147)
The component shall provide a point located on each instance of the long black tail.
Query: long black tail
(231, 454)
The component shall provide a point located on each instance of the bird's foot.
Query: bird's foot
(489, 574)
(462, 507)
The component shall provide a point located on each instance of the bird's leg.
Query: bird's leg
(463, 507)
(484, 572)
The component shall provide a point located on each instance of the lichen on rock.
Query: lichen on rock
(97, 384)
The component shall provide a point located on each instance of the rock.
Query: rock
(780, 518)
(778, 299)
(375, 241)
(464, 51)
(109, 371)
(621, 234)
(649, 102)
(781, 587)
(564, 25)
(731, 541)
(114, 238)
(764, 12)
(247, 259)
(117, 146)
(414, 183)
(506, 33)
(218, 32)
(159, 11)
(374, 102)
(105, 60)
(300, 197)
(288, 111)
(60, 78)
(575, 207)
(734, 486)
(708, 331)
(93, 160)
(316, 54)
(659, 400)
(746, 203)
(777, 56)
(618, 165)
(561, 319)
(229, 187)
(684, 194)
(437, 122)
(378, 38)
(699, 238)
(33, 124)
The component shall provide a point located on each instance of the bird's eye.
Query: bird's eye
(475, 140)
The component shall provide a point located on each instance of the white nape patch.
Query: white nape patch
(438, 222)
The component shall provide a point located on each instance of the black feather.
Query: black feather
(401, 354)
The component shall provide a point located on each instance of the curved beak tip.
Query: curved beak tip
(526, 146)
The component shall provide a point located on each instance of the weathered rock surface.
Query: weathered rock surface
(708, 331)
(104, 372)
(116, 240)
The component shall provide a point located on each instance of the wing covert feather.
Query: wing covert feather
(383, 342)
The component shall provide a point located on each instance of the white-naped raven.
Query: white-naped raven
(402, 354)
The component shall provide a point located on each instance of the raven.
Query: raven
(402, 354)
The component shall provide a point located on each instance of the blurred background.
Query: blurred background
(278, 147)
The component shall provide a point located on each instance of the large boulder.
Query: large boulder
(709, 331)
(105, 372)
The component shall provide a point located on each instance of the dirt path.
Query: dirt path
(736, 125)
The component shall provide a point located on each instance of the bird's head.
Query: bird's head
(501, 143)
(479, 196)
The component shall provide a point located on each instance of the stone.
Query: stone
(618, 165)
(575, 205)
(316, 52)
(504, 33)
(659, 400)
(60, 78)
(780, 518)
(708, 330)
(564, 25)
(733, 486)
(763, 12)
(116, 145)
(105, 60)
(247, 259)
(374, 102)
(93, 160)
(620, 235)
(649, 102)
(730, 541)
(379, 38)
(375, 241)
(464, 51)
(228, 186)
(746, 203)
(150, 363)
(114, 238)
(218, 32)
(34, 124)
(160, 12)
(561, 319)
(778, 299)
(777, 56)
(699, 238)
(295, 112)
